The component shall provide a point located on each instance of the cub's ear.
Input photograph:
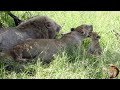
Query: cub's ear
(98, 37)
(72, 29)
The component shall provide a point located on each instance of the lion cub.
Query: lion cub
(46, 48)
(94, 47)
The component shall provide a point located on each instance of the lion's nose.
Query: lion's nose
(59, 28)
(88, 35)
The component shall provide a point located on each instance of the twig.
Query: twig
(116, 34)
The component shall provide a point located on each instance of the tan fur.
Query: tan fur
(46, 48)
(94, 48)
(36, 28)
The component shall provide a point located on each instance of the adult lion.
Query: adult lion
(40, 27)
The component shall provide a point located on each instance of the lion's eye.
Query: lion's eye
(82, 32)
(48, 24)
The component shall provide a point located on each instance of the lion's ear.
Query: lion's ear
(98, 37)
(72, 29)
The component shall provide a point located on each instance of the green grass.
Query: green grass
(81, 66)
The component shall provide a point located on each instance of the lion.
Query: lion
(40, 27)
(94, 47)
(47, 48)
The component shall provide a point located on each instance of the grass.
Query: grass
(81, 66)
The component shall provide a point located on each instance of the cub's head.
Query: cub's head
(84, 30)
(94, 36)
